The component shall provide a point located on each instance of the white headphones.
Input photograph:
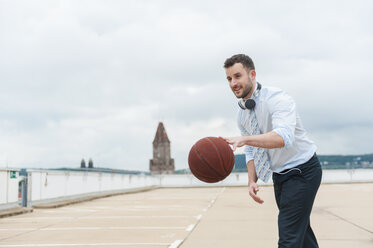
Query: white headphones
(250, 103)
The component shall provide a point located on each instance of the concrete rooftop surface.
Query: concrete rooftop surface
(206, 217)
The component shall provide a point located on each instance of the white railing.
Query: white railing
(188, 180)
(241, 179)
(347, 176)
(46, 186)
(9, 188)
(49, 186)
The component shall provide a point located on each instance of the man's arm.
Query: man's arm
(253, 187)
(253, 178)
(267, 140)
(283, 114)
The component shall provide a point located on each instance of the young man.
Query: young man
(276, 144)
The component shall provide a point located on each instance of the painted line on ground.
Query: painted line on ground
(198, 217)
(190, 228)
(133, 206)
(97, 228)
(85, 244)
(128, 210)
(176, 244)
(181, 198)
(95, 217)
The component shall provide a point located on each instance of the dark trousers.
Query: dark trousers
(295, 191)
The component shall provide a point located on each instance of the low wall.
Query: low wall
(241, 179)
(347, 176)
(188, 180)
(45, 186)
(48, 186)
(9, 188)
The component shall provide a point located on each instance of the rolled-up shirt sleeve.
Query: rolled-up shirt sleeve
(284, 117)
(248, 150)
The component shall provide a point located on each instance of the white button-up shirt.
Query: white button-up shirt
(276, 111)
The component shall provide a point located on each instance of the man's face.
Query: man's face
(240, 81)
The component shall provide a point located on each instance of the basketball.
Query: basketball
(211, 159)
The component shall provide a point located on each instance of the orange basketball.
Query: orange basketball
(211, 159)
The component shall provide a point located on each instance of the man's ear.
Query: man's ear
(252, 74)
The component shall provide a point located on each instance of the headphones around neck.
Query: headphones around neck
(250, 103)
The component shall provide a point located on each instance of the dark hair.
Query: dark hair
(245, 60)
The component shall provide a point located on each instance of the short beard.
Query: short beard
(246, 93)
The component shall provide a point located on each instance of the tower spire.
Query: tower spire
(161, 135)
(162, 163)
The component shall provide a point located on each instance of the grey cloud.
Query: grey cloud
(93, 78)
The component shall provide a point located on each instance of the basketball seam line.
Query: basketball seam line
(203, 159)
(205, 163)
(220, 156)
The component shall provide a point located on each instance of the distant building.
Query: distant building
(90, 163)
(162, 163)
(82, 164)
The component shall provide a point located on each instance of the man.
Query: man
(275, 141)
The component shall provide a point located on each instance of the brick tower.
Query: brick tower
(162, 163)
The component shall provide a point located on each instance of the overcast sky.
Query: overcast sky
(92, 79)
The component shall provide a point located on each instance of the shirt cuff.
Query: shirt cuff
(249, 154)
(285, 135)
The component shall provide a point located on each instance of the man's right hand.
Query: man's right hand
(253, 189)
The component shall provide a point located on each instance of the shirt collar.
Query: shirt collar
(252, 95)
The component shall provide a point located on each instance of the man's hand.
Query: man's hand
(253, 189)
(236, 141)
